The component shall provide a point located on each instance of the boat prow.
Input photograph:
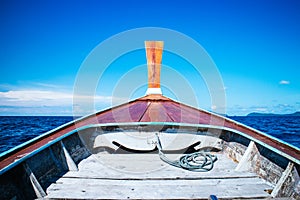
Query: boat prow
(140, 150)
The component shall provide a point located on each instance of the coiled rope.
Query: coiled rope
(197, 161)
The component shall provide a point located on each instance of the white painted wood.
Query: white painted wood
(153, 91)
(35, 183)
(149, 166)
(112, 176)
(200, 182)
(70, 162)
(200, 189)
(282, 179)
(147, 140)
(245, 162)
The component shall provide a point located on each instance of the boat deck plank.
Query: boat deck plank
(136, 176)
(149, 166)
(153, 189)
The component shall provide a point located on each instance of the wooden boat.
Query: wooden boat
(151, 148)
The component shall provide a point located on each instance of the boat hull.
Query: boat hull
(32, 175)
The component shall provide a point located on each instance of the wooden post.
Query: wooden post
(246, 163)
(40, 193)
(154, 56)
(70, 163)
(282, 179)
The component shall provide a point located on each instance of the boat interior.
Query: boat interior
(124, 161)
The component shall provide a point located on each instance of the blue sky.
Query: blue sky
(254, 44)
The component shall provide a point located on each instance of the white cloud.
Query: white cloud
(285, 108)
(40, 98)
(261, 109)
(36, 111)
(33, 95)
(34, 98)
(47, 85)
(213, 107)
(284, 82)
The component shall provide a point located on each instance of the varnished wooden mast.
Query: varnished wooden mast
(154, 56)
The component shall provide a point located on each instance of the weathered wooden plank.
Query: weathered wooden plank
(159, 176)
(165, 174)
(282, 179)
(248, 160)
(149, 166)
(180, 189)
(147, 140)
(136, 176)
(199, 182)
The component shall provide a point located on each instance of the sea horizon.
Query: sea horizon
(15, 130)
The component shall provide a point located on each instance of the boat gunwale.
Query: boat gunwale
(39, 149)
(145, 98)
(59, 128)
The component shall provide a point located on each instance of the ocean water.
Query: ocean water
(286, 128)
(17, 130)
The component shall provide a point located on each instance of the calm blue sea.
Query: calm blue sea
(16, 130)
(286, 128)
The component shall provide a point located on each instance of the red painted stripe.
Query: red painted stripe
(151, 108)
